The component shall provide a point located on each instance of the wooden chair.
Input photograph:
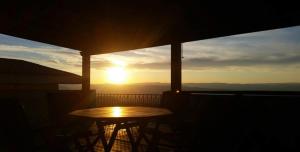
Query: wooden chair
(15, 130)
(171, 132)
(17, 134)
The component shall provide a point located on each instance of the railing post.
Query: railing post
(128, 99)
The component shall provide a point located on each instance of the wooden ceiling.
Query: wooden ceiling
(105, 26)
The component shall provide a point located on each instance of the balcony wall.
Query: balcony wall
(42, 107)
(238, 121)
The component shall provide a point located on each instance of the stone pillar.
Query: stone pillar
(86, 72)
(176, 54)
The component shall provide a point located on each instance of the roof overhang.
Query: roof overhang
(97, 27)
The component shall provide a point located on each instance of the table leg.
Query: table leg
(113, 137)
(134, 143)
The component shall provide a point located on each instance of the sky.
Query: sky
(271, 56)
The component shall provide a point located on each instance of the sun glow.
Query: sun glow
(116, 75)
(116, 111)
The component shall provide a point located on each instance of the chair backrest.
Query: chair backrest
(175, 102)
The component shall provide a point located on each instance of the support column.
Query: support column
(176, 54)
(86, 72)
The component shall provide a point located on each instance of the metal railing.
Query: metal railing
(128, 99)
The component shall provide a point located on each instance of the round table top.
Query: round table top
(121, 112)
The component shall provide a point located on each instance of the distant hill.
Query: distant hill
(154, 88)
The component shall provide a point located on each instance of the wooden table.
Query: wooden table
(123, 117)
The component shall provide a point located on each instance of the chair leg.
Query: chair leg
(89, 145)
(78, 145)
(155, 139)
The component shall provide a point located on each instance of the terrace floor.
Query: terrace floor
(122, 143)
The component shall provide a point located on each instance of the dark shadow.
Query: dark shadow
(234, 121)
(16, 134)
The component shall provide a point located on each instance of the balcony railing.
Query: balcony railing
(128, 99)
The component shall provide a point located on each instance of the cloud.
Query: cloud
(152, 66)
(271, 48)
(55, 57)
(147, 55)
(195, 63)
(38, 49)
(221, 53)
(213, 62)
(100, 64)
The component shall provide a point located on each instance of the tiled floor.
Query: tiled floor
(122, 143)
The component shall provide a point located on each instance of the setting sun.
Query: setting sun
(116, 75)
